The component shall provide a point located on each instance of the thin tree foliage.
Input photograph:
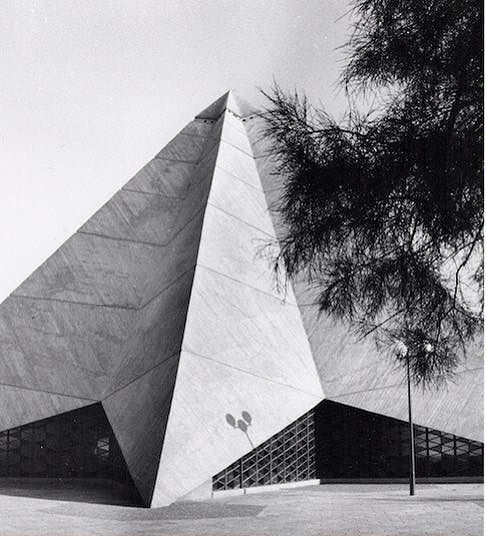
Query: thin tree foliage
(383, 212)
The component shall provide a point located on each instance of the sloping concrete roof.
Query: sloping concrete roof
(159, 308)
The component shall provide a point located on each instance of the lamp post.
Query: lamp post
(403, 350)
(411, 434)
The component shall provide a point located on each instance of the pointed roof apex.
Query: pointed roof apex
(229, 101)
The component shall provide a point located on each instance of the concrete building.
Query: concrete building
(153, 348)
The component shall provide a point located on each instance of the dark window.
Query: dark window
(286, 457)
(75, 444)
(335, 441)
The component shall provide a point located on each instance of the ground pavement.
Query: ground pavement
(328, 510)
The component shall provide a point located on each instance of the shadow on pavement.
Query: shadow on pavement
(176, 511)
(75, 490)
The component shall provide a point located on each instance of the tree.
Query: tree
(383, 211)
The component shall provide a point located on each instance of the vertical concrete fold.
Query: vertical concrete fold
(138, 398)
(160, 308)
(244, 352)
(103, 318)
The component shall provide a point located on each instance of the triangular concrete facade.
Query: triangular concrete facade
(244, 346)
(159, 308)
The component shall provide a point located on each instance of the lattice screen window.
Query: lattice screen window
(335, 441)
(76, 444)
(286, 457)
(441, 454)
(353, 443)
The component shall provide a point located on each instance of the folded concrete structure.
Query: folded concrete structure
(161, 322)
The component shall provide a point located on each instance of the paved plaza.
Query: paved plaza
(328, 510)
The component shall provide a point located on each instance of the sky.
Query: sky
(92, 90)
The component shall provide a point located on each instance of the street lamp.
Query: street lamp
(403, 351)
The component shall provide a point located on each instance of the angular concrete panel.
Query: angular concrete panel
(16, 403)
(110, 303)
(138, 416)
(199, 441)
(176, 175)
(253, 331)
(104, 317)
(244, 345)
(60, 347)
(156, 333)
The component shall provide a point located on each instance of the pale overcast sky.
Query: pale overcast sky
(92, 90)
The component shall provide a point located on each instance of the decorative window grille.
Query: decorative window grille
(334, 441)
(353, 443)
(288, 456)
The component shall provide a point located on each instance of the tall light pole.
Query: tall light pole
(411, 434)
(403, 351)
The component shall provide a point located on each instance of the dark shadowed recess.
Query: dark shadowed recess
(71, 456)
(338, 442)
